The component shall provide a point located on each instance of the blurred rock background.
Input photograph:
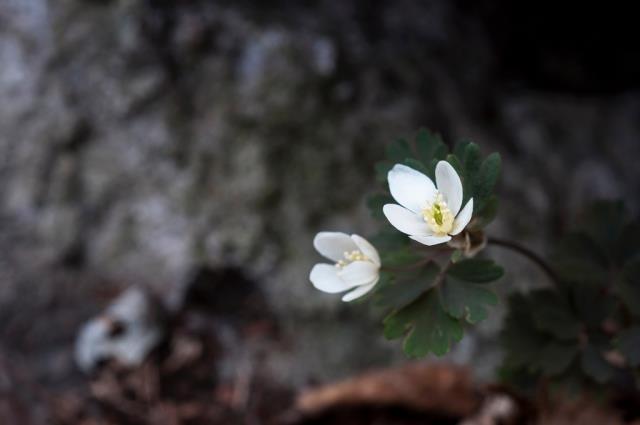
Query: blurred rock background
(168, 144)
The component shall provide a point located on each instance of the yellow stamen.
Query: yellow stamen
(350, 257)
(438, 216)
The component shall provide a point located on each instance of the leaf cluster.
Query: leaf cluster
(430, 303)
(586, 331)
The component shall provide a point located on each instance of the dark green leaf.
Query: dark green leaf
(472, 160)
(398, 151)
(456, 164)
(555, 357)
(464, 300)
(430, 146)
(595, 366)
(427, 326)
(520, 336)
(628, 287)
(417, 165)
(486, 179)
(400, 257)
(460, 148)
(552, 314)
(407, 286)
(388, 240)
(628, 246)
(592, 305)
(476, 270)
(629, 345)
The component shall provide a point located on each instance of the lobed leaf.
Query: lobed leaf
(407, 286)
(629, 345)
(429, 146)
(464, 300)
(486, 179)
(476, 270)
(552, 314)
(628, 287)
(595, 366)
(428, 328)
(399, 150)
(555, 357)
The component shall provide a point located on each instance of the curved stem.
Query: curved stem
(514, 246)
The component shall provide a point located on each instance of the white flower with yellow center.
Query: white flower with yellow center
(357, 265)
(428, 213)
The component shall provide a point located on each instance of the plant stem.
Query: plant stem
(514, 246)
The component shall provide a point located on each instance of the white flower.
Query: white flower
(428, 214)
(357, 265)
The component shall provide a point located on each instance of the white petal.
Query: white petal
(333, 244)
(406, 221)
(410, 188)
(325, 278)
(463, 218)
(449, 185)
(358, 273)
(367, 249)
(431, 240)
(359, 292)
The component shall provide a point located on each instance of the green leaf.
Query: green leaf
(429, 146)
(417, 165)
(486, 179)
(592, 305)
(628, 247)
(520, 336)
(595, 366)
(628, 287)
(555, 357)
(472, 160)
(629, 345)
(528, 348)
(407, 286)
(552, 314)
(460, 148)
(456, 164)
(476, 270)
(400, 257)
(389, 239)
(464, 300)
(428, 328)
(398, 151)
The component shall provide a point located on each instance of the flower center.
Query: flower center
(438, 216)
(350, 257)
